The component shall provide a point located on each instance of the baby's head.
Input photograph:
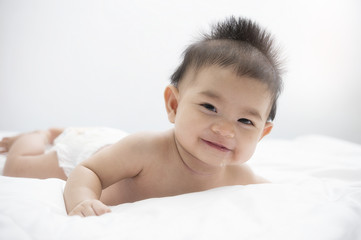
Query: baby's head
(241, 45)
(223, 96)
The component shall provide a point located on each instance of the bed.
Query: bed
(315, 194)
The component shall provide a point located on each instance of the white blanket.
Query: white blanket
(315, 194)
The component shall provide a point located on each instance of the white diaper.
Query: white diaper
(75, 145)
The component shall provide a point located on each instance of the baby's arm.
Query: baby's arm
(82, 191)
(110, 165)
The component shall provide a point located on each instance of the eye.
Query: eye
(245, 121)
(209, 107)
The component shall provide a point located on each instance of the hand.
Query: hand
(88, 208)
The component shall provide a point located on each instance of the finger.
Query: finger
(76, 212)
(88, 211)
(100, 208)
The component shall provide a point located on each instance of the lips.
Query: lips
(217, 146)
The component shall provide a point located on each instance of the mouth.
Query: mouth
(217, 146)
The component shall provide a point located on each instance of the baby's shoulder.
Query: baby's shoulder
(142, 142)
(243, 175)
(147, 138)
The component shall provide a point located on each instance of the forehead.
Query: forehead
(221, 78)
(226, 85)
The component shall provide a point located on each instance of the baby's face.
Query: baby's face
(220, 116)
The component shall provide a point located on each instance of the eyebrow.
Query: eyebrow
(254, 113)
(210, 94)
(250, 111)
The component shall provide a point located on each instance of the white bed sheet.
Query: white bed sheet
(315, 194)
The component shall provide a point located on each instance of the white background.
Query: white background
(106, 63)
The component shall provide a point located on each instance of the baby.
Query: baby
(221, 100)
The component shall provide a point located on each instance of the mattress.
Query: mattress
(315, 194)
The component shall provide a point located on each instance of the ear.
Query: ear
(267, 129)
(171, 94)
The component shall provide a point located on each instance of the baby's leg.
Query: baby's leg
(27, 158)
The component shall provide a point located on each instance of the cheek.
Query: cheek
(189, 124)
(247, 146)
(189, 118)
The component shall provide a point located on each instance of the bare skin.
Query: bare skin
(218, 117)
(157, 174)
(27, 158)
(218, 120)
(162, 174)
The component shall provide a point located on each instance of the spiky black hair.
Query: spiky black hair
(242, 45)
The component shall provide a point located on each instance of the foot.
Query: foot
(51, 134)
(7, 142)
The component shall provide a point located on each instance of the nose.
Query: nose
(224, 128)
